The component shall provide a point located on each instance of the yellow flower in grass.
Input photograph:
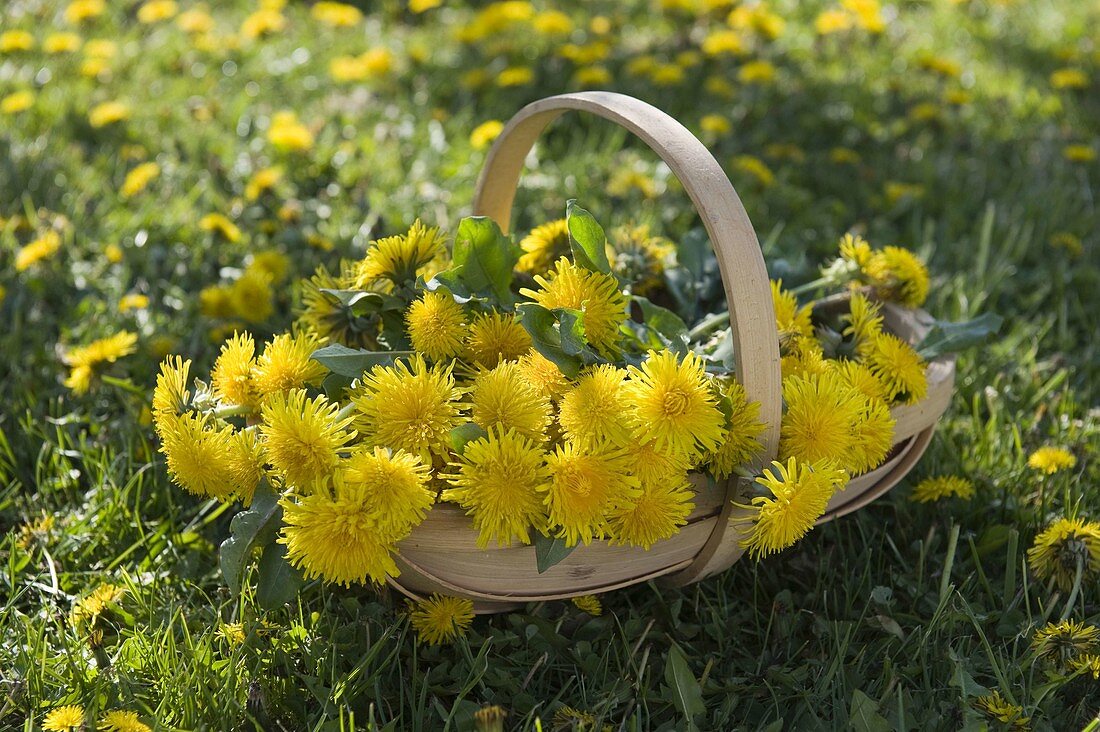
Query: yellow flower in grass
(441, 619)
(16, 102)
(597, 408)
(221, 225)
(423, 6)
(138, 179)
(1061, 643)
(263, 22)
(674, 404)
(288, 134)
(1063, 545)
(1050, 460)
(898, 366)
(44, 247)
(1079, 153)
(154, 11)
(940, 487)
(484, 134)
(543, 374)
(499, 480)
(108, 113)
(301, 437)
(543, 246)
(195, 21)
(262, 180)
(231, 377)
(337, 15)
(657, 513)
(272, 263)
(286, 363)
(1069, 79)
(595, 294)
(800, 491)
(170, 395)
(15, 41)
(756, 72)
(399, 258)
(495, 337)
(78, 11)
(515, 76)
(409, 406)
(588, 604)
(996, 708)
(197, 454)
(585, 488)
(122, 721)
(436, 325)
(740, 443)
(502, 397)
(897, 274)
(791, 320)
(64, 719)
(85, 361)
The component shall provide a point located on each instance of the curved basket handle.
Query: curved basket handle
(740, 261)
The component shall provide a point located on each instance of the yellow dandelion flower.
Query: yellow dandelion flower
(856, 251)
(588, 604)
(436, 325)
(791, 320)
(409, 406)
(251, 296)
(337, 15)
(1059, 548)
(170, 395)
(860, 377)
(101, 600)
(133, 301)
(1049, 460)
(872, 437)
(651, 464)
(740, 443)
(597, 408)
(245, 461)
(543, 374)
(800, 491)
(399, 258)
(154, 11)
(501, 396)
(499, 480)
(262, 181)
(394, 488)
(301, 437)
(803, 357)
(585, 488)
(595, 294)
(16, 102)
(566, 717)
(15, 41)
(108, 113)
(80, 10)
(85, 361)
(995, 708)
(43, 247)
(484, 134)
(122, 721)
(1060, 643)
(195, 21)
(898, 275)
(898, 366)
(495, 337)
(864, 318)
(543, 246)
(1079, 153)
(197, 454)
(286, 364)
(231, 377)
(441, 619)
(288, 134)
(941, 487)
(64, 719)
(220, 224)
(232, 633)
(1069, 78)
(674, 403)
(336, 537)
(657, 513)
(821, 411)
(1088, 664)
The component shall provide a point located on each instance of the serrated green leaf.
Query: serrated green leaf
(277, 582)
(947, 337)
(587, 239)
(249, 529)
(465, 433)
(546, 338)
(549, 551)
(353, 362)
(687, 694)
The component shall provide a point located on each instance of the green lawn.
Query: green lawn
(955, 132)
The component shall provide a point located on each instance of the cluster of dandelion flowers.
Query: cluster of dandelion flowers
(346, 533)
(596, 295)
(898, 366)
(499, 480)
(800, 492)
(1061, 643)
(1063, 548)
(302, 437)
(408, 406)
(440, 619)
(585, 488)
(674, 403)
(398, 259)
(657, 513)
(287, 363)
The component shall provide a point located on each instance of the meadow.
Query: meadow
(170, 171)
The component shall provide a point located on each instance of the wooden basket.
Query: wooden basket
(441, 555)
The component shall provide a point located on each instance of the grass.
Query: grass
(896, 617)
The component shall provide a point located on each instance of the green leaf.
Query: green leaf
(249, 529)
(334, 385)
(353, 362)
(546, 338)
(670, 330)
(948, 337)
(586, 239)
(465, 433)
(277, 582)
(482, 263)
(687, 694)
(362, 302)
(549, 551)
(574, 341)
(863, 714)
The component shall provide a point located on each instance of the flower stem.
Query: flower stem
(1076, 588)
